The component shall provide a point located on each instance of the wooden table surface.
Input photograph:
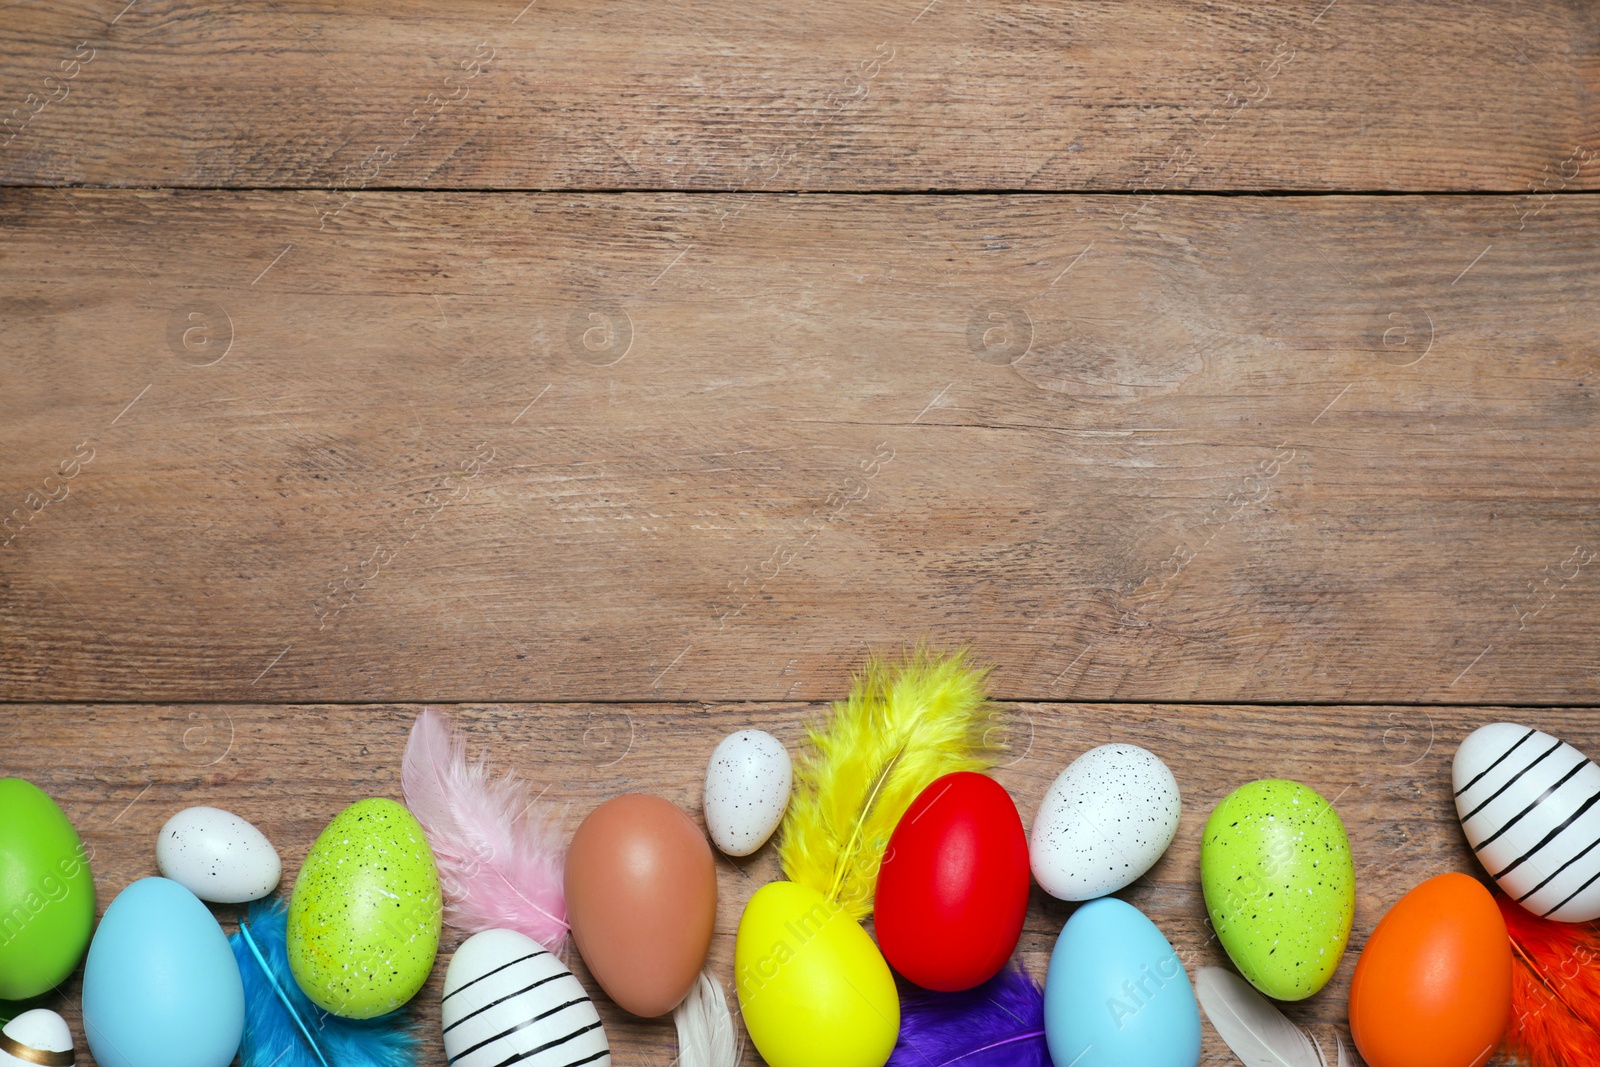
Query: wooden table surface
(619, 374)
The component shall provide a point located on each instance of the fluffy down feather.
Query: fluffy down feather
(1555, 989)
(272, 1038)
(500, 854)
(904, 724)
(997, 1024)
(706, 1034)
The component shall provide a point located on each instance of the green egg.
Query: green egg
(46, 892)
(1280, 885)
(364, 918)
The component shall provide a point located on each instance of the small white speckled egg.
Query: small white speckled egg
(217, 856)
(747, 790)
(1105, 820)
(37, 1036)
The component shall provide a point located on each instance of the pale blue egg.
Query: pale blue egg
(1116, 994)
(161, 987)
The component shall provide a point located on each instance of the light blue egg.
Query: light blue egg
(1116, 994)
(160, 987)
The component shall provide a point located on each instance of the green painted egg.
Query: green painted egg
(364, 917)
(1280, 885)
(46, 892)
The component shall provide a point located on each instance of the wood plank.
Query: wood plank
(838, 95)
(121, 771)
(1303, 449)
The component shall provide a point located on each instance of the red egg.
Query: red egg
(953, 889)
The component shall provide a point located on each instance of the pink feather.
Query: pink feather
(500, 854)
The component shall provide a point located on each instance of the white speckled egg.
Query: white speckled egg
(747, 790)
(38, 1036)
(507, 1000)
(1529, 804)
(1105, 820)
(217, 856)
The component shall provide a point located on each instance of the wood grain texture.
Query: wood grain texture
(121, 771)
(582, 447)
(524, 357)
(838, 95)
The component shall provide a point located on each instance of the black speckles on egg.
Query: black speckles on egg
(1106, 819)
(364, 919)
(1279, 883)
(748, 780)
(217, 856)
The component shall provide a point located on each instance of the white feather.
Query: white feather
(1257, 1032)
(1344, 1060)
(706, 1034)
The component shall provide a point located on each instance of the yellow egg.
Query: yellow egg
(813, 988)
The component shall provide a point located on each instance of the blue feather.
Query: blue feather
(998, 1024)
(279, 1017)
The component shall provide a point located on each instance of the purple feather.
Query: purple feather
(998, 1024)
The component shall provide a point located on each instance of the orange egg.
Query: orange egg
(1433, 986)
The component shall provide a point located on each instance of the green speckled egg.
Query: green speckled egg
(364, 917)
(1280, 885)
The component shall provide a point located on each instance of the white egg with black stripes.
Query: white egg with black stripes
(1529, 804)
(508, 1001)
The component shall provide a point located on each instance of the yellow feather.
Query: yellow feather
(904, 725)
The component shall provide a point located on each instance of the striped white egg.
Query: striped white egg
(508, 1001)
(1530, 806)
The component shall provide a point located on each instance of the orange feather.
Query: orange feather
(1555, 989)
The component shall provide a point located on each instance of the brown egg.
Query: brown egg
(642, 899)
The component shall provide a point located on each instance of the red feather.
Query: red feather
(1555, 989)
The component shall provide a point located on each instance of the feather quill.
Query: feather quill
(283, 1028)
(706, 1034)
(903, 725)
(500, 854)
(1253, 1027)
(997, 1024)
(1555, 989)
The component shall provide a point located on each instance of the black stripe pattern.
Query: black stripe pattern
(1530, 806)
(509, 1003)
